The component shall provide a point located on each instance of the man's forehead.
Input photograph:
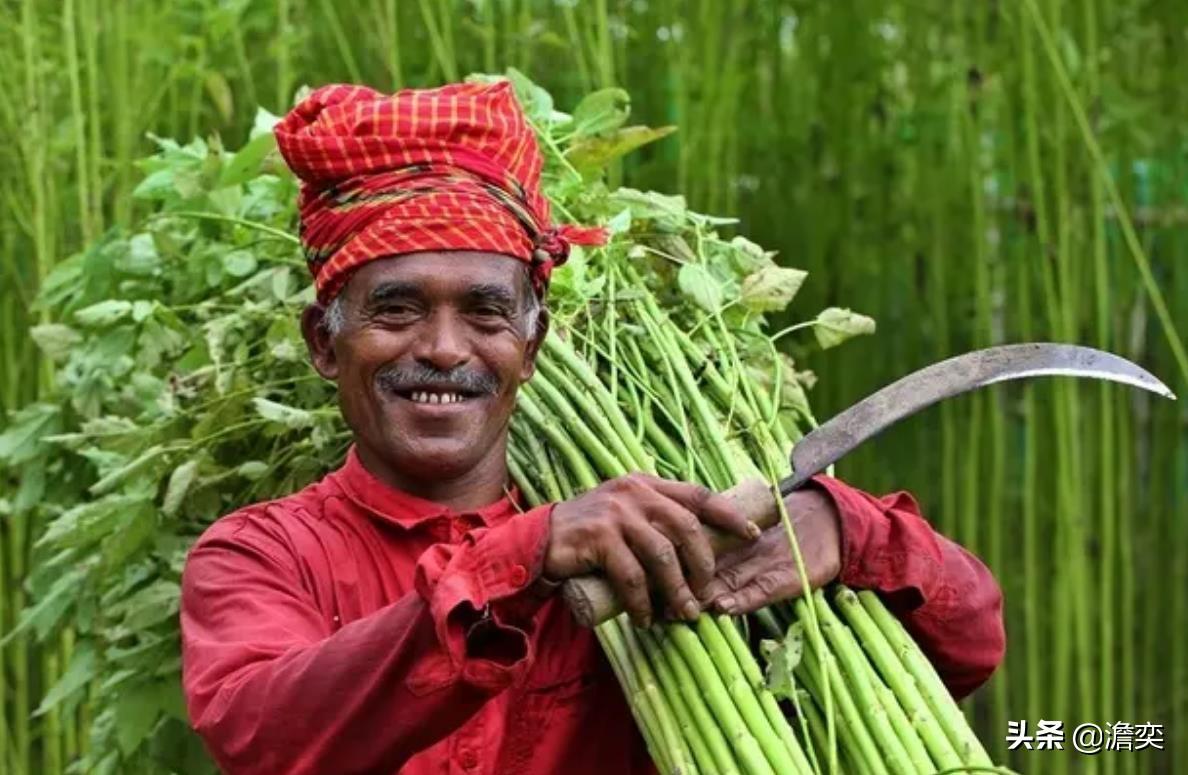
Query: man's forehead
(445, 272)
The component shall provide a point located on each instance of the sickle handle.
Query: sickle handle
(593, 601)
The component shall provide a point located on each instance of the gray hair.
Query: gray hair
(335, 318)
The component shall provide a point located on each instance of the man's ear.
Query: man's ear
(319, 341)
(534, 344)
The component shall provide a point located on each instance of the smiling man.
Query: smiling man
(399, 615)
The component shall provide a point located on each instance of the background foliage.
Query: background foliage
(939, 166)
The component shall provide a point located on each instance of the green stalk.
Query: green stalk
(442, 56)
(564, 418)
(746, 748)
(576, 368)
(692, 737)
(856, 690)
(666, 705)
(82, 167)
(575, 461)
(345, 49)
(516, 466)
(631, 663)
(818, 670)
(744, 696)
(645, 717)
(767, 701)
(5, 625)
(284, 64)
(1124, 221)
(902, 749)
(722, 760)
(944, 708)
(557, 388)
(878, 648)
(704, 420)
(817, 725)
(537, 463)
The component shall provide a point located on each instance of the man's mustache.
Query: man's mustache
(460, 379)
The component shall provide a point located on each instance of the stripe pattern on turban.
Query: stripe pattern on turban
(451, 168)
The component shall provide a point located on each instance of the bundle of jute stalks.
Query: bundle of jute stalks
(622, 387)
(660, 361)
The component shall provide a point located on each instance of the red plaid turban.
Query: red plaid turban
(453, 168)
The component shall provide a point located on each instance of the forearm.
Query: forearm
(363, 699)
(945, 596)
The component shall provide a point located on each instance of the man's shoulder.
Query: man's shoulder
(276, 522)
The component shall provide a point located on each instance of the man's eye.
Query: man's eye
(490, 312)
(398, 311)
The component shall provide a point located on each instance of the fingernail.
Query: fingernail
(726, 603)
(708, 594)
(691, 610)
(753, 530)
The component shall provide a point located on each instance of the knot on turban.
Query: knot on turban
(452, 168)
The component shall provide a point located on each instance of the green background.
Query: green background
(944, 167)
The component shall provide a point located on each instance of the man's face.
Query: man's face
(432, 349)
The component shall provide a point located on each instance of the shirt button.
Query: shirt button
(468, 759)
(519, 575)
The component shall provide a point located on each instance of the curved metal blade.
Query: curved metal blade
(961, 374)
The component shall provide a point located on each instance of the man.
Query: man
(400, 615)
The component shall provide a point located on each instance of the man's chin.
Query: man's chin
(440, 458)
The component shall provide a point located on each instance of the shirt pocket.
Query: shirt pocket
(556, 693)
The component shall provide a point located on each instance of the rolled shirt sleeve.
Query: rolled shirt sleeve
(944, 595)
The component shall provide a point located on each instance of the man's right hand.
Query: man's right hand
(643, 533)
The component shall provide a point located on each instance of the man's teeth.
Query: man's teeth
(425, 397)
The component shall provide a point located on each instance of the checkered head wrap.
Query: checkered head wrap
(452, 168)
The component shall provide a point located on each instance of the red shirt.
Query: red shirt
(353, 628)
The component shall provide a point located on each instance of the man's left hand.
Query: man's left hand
(759, 574)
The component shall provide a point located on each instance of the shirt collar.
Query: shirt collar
(402, 508)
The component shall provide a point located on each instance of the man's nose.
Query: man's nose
(442, 343)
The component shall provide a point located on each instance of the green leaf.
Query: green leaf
(288, 416)
(103, 313)
(252, 469)
(154, 603)
(179, 484)
(245, 163)
(621, 222)
(264, 123)
(836, 324)
(280, 282)
(771, 288)
(601, 111)
(156, 185)
(239, 263)
(50, 607)
(137, 710)
(749, 257)
(220, 94)
(141, 310)
(592, 154)
(140, 529)
(699, 284)
(127, 471)
(89, 521)
(667, 211)
(141, 258)
(24, 437)
(782, 657)
(56, 340)
(537, 103)
(73, 682)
